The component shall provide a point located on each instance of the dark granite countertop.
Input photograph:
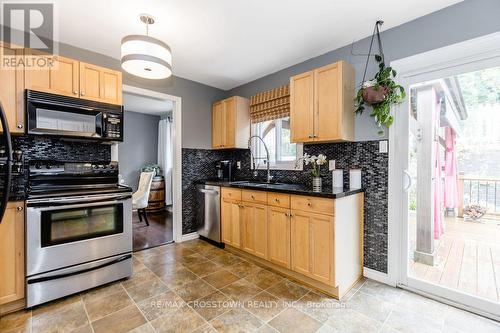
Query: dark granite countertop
(299, 189)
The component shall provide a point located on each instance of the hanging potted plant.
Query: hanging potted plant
(382, 91)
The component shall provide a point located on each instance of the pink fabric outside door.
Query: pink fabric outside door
(451, 170)
(438, 187)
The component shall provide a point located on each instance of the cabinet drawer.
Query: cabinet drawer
(254, 196)
(312, 204)
(231, 193)
(278, 199)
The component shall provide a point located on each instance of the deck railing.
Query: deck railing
(477, 190)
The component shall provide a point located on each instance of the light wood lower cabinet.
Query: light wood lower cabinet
(230, 217)
(254, 229)
(316, 240)
(12, 254)
(278, 236)
(312, 245)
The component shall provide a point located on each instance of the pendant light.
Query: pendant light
(145, 56)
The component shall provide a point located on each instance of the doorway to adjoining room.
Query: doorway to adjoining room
(146, 162)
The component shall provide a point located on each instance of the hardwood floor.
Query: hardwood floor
(468, 259)
(157, 233)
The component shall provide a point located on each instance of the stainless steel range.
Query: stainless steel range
(79, 228)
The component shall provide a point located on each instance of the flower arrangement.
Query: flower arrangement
(315, 161)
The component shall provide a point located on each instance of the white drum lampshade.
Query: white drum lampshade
(145, 56)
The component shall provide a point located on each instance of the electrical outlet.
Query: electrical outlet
(331, 165)
(238, 165)
(383, 146)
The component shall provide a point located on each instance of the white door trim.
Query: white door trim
(467, 56)
(177, 153)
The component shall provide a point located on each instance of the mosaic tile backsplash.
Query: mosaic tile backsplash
(199, 164)
(52, 149)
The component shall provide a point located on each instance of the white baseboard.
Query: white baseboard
(191, 236)
(376, 275)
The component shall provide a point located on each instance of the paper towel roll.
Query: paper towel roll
(338, 178)
(354, 179)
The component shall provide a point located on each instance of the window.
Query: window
(276, 135)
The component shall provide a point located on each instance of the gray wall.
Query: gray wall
(140, 145)
(197, 98)
(466, 20)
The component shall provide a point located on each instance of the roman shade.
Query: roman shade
(270, 105)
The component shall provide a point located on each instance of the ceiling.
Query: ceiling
(148, 105)
(226, 43)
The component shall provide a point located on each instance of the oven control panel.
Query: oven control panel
(57, 167)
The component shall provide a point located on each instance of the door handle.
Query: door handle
(408, 177)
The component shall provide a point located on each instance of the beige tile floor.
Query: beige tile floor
(195, 287)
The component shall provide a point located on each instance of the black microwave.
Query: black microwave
(61, 116)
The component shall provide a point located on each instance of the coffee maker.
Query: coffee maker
(225, 170)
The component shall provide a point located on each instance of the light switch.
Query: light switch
(331, 165)
(383, 146)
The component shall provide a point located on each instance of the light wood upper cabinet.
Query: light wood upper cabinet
(100, 84)
(217, 129)
(302, 107)
(322, 104)
(12, 91)
(62, 78)
(278, 236)
(312, 245)
(231, 123)
(69, 77)
(12, 253)
(90, 82)
(254, 225)
(111, 89)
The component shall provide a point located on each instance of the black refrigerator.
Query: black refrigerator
(5, 163)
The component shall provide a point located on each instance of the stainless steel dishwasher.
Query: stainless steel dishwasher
(208, 200)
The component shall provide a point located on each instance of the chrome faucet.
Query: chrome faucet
(269, 177)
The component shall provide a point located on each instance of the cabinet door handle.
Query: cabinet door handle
(75, 92)
(310, 136)
(277, 200)
(309, 204)
(253, 197)
(19, 208)
(20, 126)
(82, 93)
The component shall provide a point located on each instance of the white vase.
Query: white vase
(317, 184)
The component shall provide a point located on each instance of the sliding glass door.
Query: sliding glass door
(448, 154)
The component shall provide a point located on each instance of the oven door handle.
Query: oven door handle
(51, 205)
(69, 201)
(63, 275)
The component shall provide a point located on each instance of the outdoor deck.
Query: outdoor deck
(468, 259)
